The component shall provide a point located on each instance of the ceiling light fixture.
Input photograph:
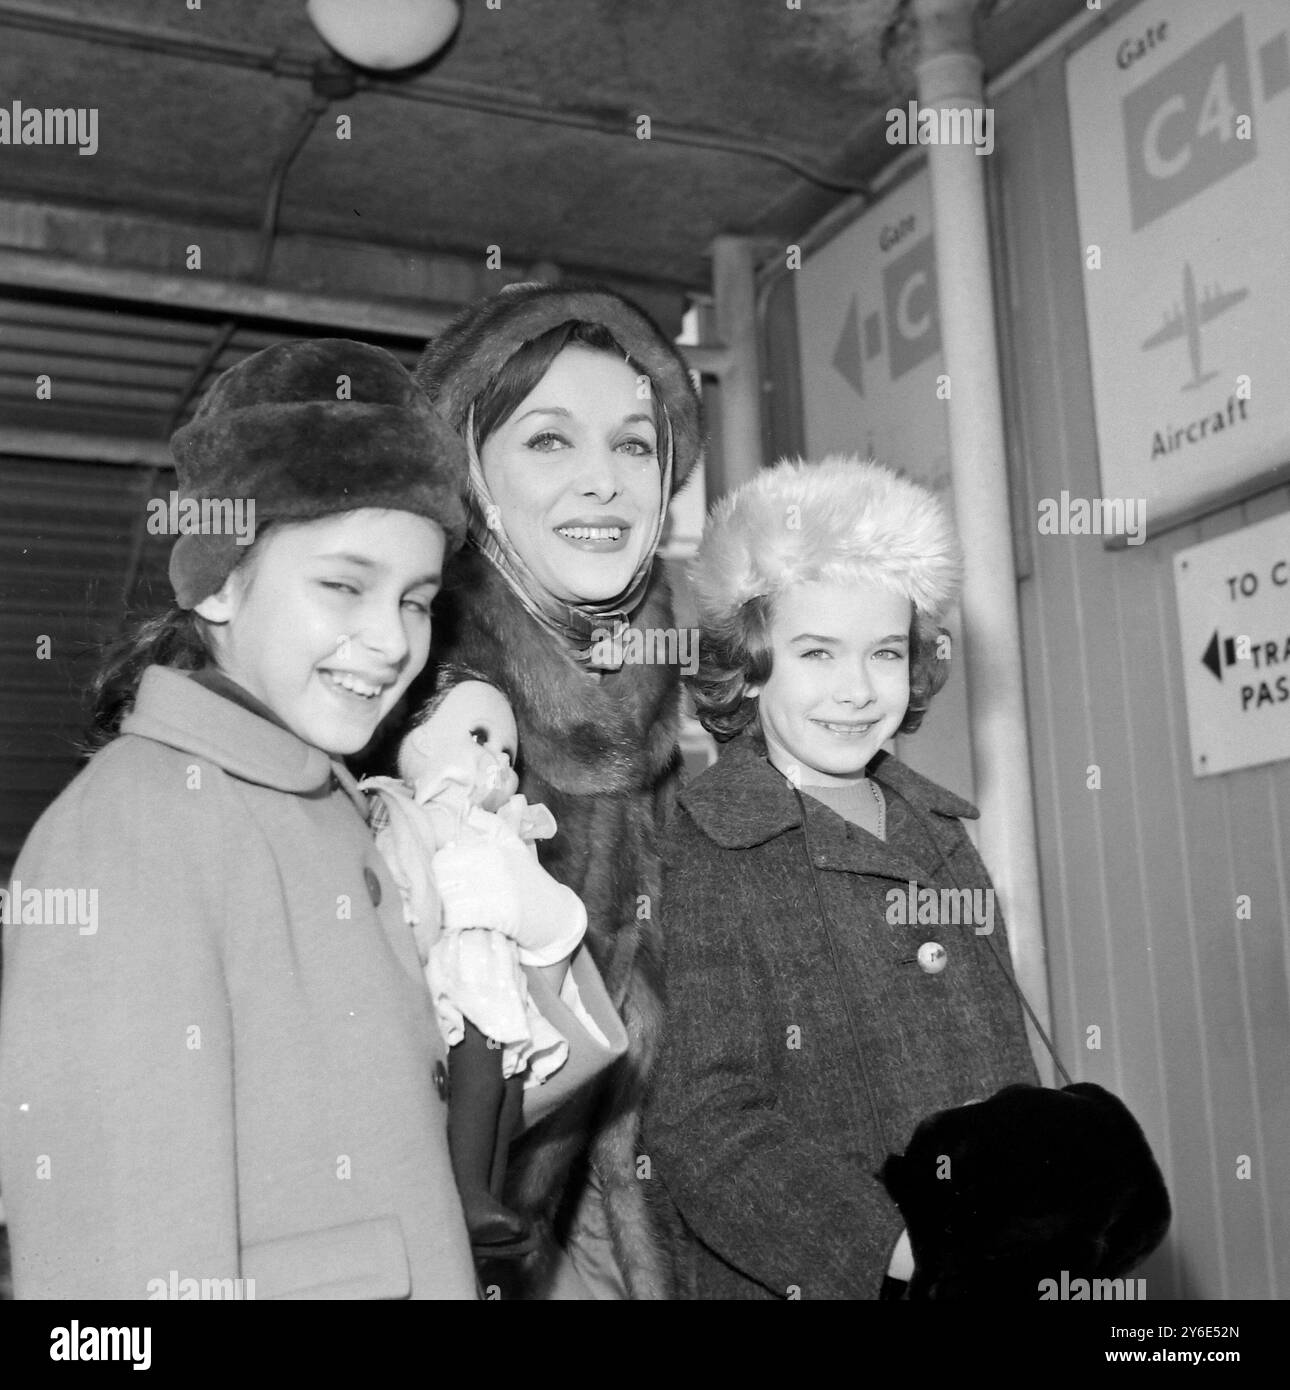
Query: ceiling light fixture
(385, 35)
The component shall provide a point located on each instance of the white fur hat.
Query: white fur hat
(839, 520)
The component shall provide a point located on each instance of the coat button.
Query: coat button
(441, 1081)
(932, 957)
(373, 886)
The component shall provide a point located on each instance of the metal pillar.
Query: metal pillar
(735, 306)
(949, 75)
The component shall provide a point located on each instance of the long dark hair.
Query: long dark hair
(176, 637)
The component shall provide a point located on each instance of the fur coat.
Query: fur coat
(600, 752)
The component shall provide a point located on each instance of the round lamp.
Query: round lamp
(385, 34)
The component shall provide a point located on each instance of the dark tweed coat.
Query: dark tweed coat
(804, 1042)
(601, 753)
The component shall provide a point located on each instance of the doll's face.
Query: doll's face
(470, 739)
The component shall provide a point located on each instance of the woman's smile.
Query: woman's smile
(608, 533)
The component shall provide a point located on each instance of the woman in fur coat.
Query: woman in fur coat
(581, 421)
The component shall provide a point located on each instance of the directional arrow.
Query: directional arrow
(1211, 656)
(846, 356)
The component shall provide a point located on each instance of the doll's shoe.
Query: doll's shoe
(496, 1232)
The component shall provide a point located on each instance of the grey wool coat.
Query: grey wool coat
(804, 1041)
(238, 1073)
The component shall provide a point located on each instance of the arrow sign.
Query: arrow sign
(1211, 656)
(846, 356)
(1239, 718)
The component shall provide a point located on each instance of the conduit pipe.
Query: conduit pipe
(950, 76)
(735, 304)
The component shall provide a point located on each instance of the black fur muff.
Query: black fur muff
(1023, 1187)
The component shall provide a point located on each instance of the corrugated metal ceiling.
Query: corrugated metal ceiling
(128, 372)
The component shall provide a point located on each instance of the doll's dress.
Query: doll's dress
(471, 966)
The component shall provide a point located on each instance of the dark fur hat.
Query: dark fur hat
(458, 364)
(1023, 1186)
(308, 429)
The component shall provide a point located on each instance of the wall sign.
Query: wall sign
(1180, 129)
(870, 334)
(1234, 618)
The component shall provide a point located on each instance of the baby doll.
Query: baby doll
(459, 840)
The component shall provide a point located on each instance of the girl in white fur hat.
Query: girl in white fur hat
(813, 1020)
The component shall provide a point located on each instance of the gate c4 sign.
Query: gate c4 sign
(1180, 136)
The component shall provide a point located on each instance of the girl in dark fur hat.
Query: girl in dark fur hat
(581, 421)
(229, 1072)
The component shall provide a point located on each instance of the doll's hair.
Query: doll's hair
(738, 655)
(530, 362)
(447, 678)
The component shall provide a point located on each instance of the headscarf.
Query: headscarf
(588, 630)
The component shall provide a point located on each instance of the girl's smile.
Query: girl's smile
(839, 682)
(328, 621)
(368, 689)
